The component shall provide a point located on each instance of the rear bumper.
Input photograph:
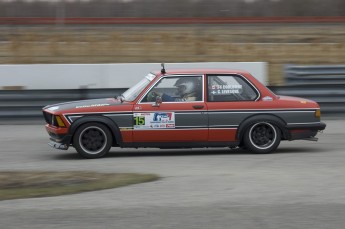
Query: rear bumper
(303, 131)
(309, 126)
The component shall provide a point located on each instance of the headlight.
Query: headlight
(57, 121)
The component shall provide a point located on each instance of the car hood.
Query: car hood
(85, 105)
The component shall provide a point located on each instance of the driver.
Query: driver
(186, 90)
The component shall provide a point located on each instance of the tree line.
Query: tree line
(172, 8)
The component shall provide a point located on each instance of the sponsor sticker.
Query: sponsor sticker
(93, 105)
(226, 89)
(156, 120)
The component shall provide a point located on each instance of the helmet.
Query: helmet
(186, 85)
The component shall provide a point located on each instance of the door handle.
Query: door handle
(198, 106)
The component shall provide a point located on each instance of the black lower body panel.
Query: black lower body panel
(178, 145)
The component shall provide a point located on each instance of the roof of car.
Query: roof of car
(200, 71)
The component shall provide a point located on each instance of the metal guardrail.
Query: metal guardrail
(27, 104)
(324, 84)
(300, 75)
(23, 104)
(180, 21)
(331, 97)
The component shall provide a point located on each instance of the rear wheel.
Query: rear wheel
(262, 137)
(92, 140)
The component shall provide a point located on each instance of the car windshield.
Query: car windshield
(134, 91)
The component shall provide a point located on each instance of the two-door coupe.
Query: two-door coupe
(184, 109)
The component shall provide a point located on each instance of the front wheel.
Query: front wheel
(92, 140)
(262, 137)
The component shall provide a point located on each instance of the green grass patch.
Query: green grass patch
(17, 185)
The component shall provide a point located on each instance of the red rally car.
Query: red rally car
(184, 109)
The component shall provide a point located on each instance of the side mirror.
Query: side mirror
(158, 101)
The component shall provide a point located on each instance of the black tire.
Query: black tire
(92, 140)
(262, 137)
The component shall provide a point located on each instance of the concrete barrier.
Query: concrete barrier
(74, 76)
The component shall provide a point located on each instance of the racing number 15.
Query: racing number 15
(139, 121)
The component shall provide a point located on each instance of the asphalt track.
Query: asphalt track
(300, 186)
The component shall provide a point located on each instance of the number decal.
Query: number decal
(139, 120)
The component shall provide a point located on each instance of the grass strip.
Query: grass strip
(32, 184)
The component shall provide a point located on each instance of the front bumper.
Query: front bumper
(58, 134)
(56, 145)
(60, 138)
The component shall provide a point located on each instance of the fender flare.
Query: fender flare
(114, 129)
(273, 119)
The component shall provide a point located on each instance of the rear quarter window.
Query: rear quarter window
(228, 88)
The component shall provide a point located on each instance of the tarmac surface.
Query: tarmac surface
(301, 185)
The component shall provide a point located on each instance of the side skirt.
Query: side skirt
(178, 145)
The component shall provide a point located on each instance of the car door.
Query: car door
(178, 118)
(231, 99)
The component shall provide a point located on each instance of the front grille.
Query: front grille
(48, 117)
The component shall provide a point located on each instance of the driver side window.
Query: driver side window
(176, 89)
